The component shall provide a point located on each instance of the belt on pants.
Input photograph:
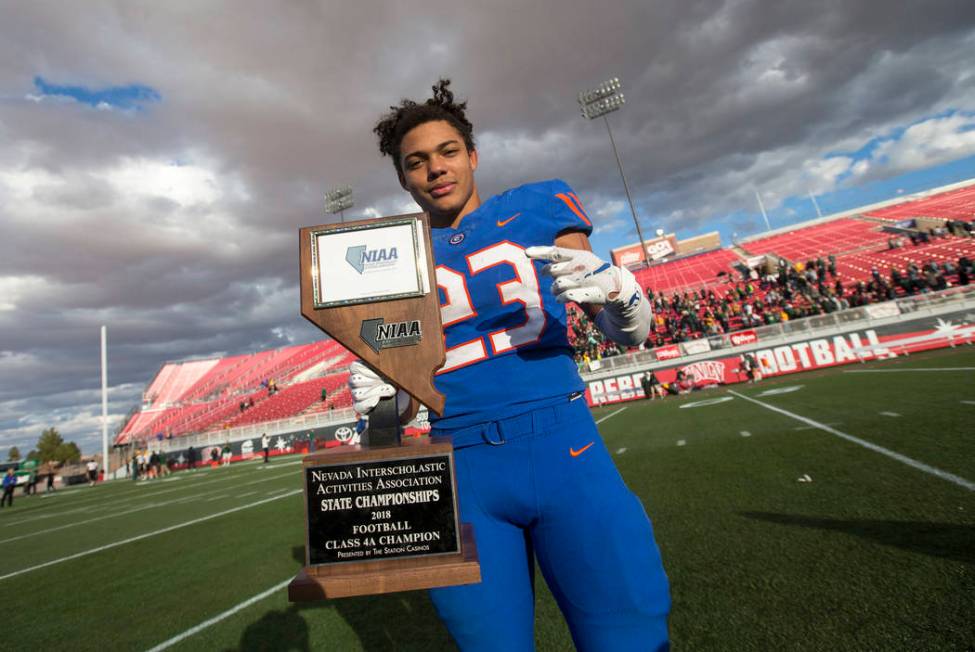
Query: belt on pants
(520, 426)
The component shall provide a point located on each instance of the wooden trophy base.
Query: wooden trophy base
(389, 576)
(324, 581)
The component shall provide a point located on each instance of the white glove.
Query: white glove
(367, 387)
(580, 276)
(583, 277)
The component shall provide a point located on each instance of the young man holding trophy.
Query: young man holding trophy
(534, 477)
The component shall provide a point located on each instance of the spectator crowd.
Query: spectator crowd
(793, 291)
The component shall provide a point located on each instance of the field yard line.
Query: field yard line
(920, 466)
(109, 546)
(221, 616)
(612, 414)
(139, 490)
(137, 509)
(901, 371)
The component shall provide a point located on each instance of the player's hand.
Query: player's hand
(367, 387)
(580, 276)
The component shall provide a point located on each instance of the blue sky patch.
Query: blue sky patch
(128, 97)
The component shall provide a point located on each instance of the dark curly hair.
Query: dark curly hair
(393, 126)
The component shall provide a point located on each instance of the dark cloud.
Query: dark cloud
(175, 224)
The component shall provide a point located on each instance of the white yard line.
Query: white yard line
(140, 537)
(888, 414)
(799, 428)
(610, 415)
(968, 402)
(681, 442)
(920, 466)
(139, 489)
(136, 509)
(745, 433)
(221, 616)
(901, 371)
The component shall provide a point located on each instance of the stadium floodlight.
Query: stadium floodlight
(339, 199)
(597, 103)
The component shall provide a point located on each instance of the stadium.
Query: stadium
(808, 465)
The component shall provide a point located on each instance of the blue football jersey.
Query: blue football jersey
(506, 339)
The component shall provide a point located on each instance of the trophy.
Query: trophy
(380, 516)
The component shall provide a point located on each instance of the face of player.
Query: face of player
(439, 172)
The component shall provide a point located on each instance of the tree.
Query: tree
(51, 447)
(67, 452)
(14, 454)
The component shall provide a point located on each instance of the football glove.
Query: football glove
(367, 387)
(583, 277)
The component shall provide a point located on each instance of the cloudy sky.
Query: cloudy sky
(155, 163)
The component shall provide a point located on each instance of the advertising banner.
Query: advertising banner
(743, 337)
(669, 352)
(887, 341)
(696, 346)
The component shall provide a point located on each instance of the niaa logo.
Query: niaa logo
(363, 259)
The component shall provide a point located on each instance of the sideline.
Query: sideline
(610, 415)
(140, 537)
(148, 489)
(902, 371)
(221, 616)
(920, 466)
(139, 508)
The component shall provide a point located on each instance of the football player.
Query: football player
(534, 477)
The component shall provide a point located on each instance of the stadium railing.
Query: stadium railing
(933, 303)
(250, 431)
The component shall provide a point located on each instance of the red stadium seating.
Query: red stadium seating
(859, 266)
(195, 396)
(820, 240)
(697, 271)
(958, 204)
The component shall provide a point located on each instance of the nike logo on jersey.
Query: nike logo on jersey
(505, 222)
(576, 453)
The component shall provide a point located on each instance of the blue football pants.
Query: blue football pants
(543, 486)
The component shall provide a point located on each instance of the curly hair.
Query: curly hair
(393, 126)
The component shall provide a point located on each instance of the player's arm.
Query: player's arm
(610, 295)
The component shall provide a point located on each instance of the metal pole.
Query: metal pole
(816, 204)
(105, 401)
(626, 188)
(764, 214)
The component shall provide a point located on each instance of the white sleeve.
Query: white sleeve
(626, 319)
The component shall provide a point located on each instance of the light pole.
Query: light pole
(337, 200)
(596, 103)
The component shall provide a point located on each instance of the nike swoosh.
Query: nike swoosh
(505, 222)
(577, 453)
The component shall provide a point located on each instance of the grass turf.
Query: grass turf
(871, 554)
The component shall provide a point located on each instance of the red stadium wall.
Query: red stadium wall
(815, 353)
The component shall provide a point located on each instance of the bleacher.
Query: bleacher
(197, 396)
(859, 266)
(820, 240)
(957, 204)
(693, 289)
(693, 272)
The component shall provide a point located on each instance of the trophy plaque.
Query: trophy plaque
(380, 516)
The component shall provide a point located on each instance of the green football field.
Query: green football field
(832, 510)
